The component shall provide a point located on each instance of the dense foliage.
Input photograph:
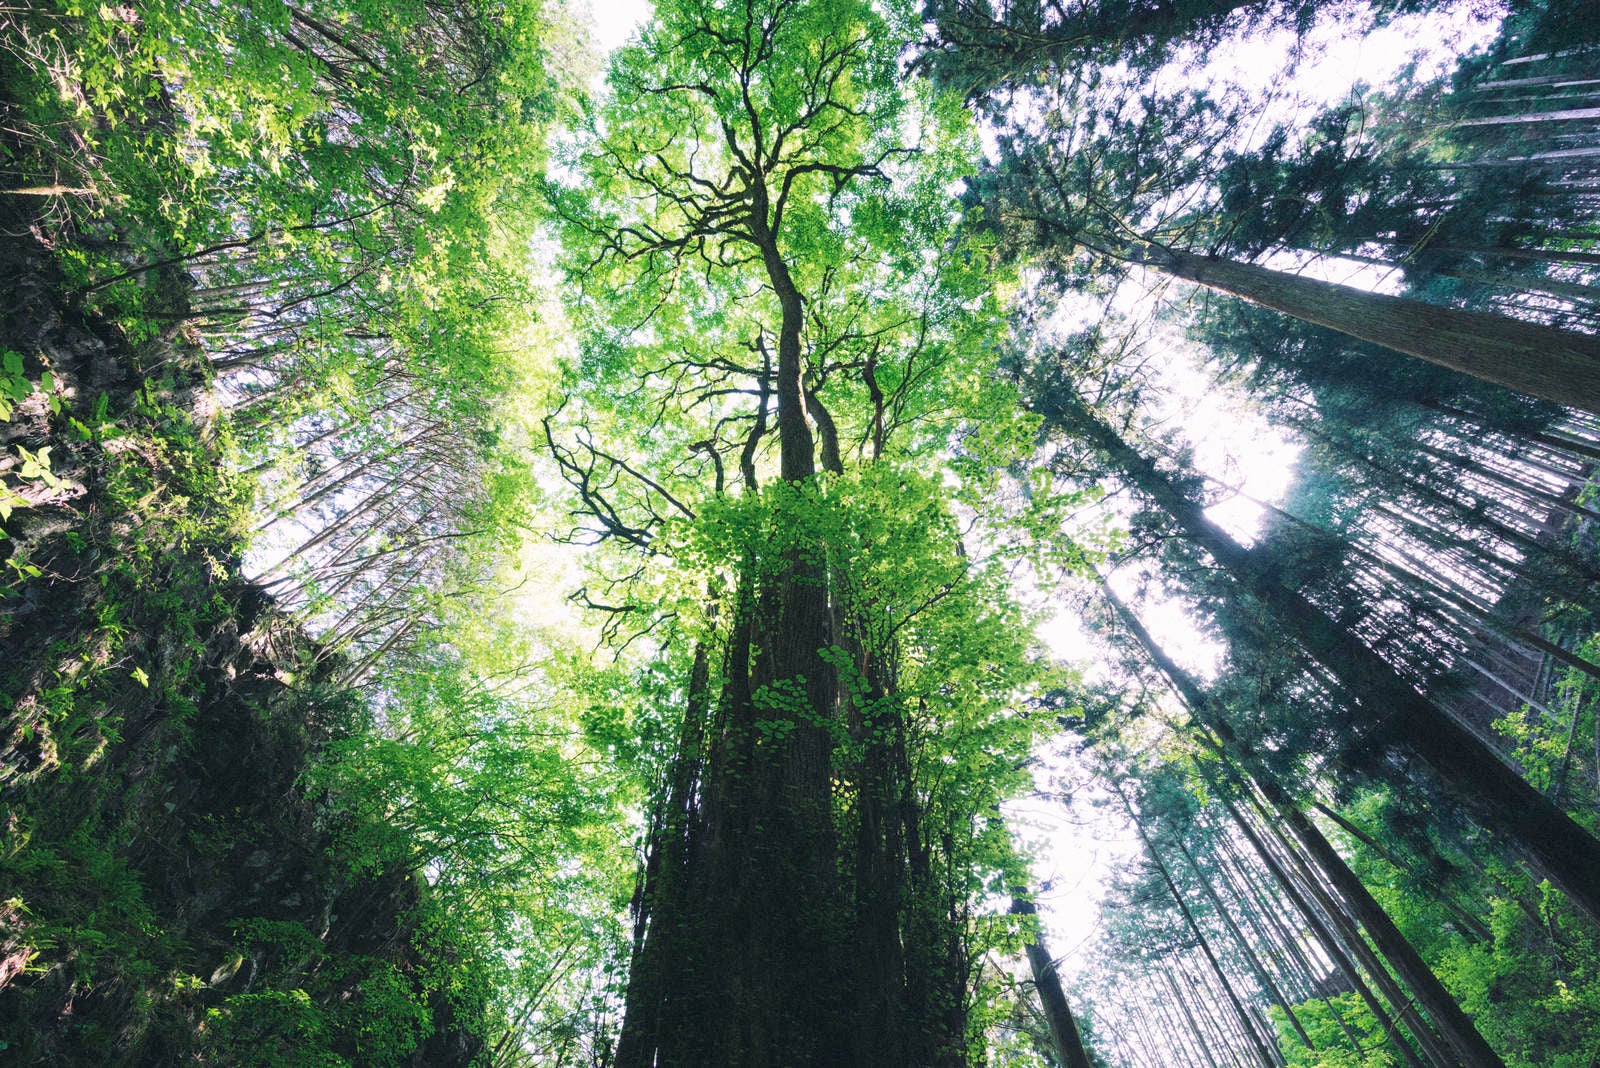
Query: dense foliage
(502, 567)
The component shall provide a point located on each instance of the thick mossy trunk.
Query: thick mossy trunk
(782, 924)
(788, 914)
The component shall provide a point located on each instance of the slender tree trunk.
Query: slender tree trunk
(1511, 486)
(1235, 1030)
(1481, 615)
(1562, 115)
(1472, 927)
(1313, 882)
(1330, 940)
(1063, 1028)
(1281, 937)
(1266, 1054)
(1261, 973)
(1138, 1044)
(1457, 1030)
(1453, 1024)
(1336, 941)
(1152, 1030)
(1203, 1036)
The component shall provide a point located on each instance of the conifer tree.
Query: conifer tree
(1396, 712)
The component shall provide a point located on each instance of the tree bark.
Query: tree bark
(1063, 1028)
(1557, 365)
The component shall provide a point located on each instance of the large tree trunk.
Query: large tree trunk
(1474, 775)
(1557, 365)
(774, 932)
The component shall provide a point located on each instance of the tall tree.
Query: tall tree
(986, 48)
(1462, 1038)
(1476, 776)
(787, 321)
(1101, 191)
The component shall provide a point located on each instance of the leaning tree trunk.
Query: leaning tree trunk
(1063, 1027)
(1542, 361)
(1475, 776)
(1247, 951)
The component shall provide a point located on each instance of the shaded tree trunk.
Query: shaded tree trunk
(1063, 1027)
(1557, 365)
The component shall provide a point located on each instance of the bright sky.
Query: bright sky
(615, 20)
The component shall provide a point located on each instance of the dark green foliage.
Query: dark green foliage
(174, 889)
(991, 49)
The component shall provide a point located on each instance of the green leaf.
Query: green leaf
(37, 465)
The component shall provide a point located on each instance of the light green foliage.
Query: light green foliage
(1332, 1041)
(493, 797)
(1550, 745)
(886, 532)
(1537, 747)
(260, 1028)
(15, 387)
(1533, 988)
(676, 303)
(900, 335)
(349, 187)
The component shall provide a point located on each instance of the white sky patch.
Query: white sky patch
(615, 21)
(1076, 851)
(1335, 56)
